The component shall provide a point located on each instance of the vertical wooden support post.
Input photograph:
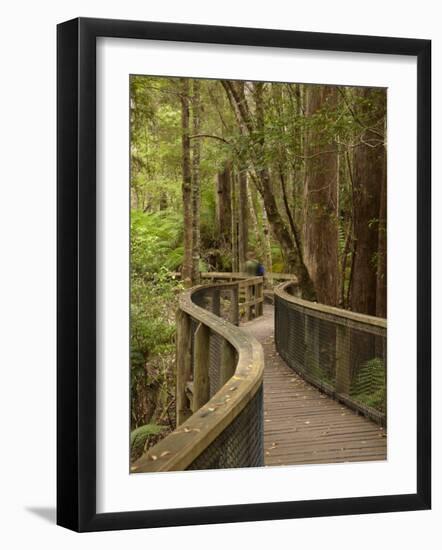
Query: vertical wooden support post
(216, 301)
(201, 384)
(260, 297)
(248, 301)
(234, 305)
(311, 345)
(228, 362)
(343, 364)
(183, 365)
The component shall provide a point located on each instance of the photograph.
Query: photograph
(258, 274)
(215, 216)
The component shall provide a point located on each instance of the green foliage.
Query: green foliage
(156, 241)
(279, 145)
(153, 304)
(369, 386)
(139, 438)
(155, 251)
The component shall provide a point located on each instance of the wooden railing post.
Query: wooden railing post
(234, 305)
(343, 364)
(228, 362)
(260, 298)
(248, 302)
(201, 384)
(183, 365)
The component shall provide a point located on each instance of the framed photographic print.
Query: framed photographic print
(239, 213)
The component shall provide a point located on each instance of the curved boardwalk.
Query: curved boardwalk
(303, 425)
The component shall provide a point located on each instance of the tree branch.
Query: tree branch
(212, 136)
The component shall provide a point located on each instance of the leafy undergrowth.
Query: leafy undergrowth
(369, 385)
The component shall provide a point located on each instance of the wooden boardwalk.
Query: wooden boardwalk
(301, 424)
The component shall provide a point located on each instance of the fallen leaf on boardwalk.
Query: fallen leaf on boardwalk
(164, 453)
(267, 420)
(153, 457)
(187, 430)
(307, 422)
(211, 409)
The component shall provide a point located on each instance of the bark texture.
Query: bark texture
(243, 221)
(224, 206)
(187, 182)
(368, 177)
(196, 190)
(320, 200)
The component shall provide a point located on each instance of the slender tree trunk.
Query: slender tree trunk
(256, 228)
(267, 243)
(224, 207)
(234, 234)
(292, 254)
(381, 275)
(253, 128)
(243, 222)
(320, 199)
(196, 191)
(186, 184)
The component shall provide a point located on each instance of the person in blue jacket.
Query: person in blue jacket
(255, 268)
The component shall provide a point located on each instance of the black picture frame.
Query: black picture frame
(77, 287)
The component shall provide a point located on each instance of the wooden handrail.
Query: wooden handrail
(342, 316)
(180, 448)
(347, 323)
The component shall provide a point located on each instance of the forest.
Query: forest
(292, 175)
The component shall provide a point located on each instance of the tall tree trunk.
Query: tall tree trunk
(243, 222)
(186, 184)
(224, 207)
(234, 237)
(320, 198)
(196, 191)
(368, 177)
(267, 243)
(256, 228)
(292, 254)
(381, 275)
(254, 130)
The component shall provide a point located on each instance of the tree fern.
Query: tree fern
(139, 438)
(368, 385)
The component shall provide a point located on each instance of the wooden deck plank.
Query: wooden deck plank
(303, 425)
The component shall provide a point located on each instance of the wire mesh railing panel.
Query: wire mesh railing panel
(240, 444)
(345, 358)
(213, 431)
(368, 372)
(216, 342)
